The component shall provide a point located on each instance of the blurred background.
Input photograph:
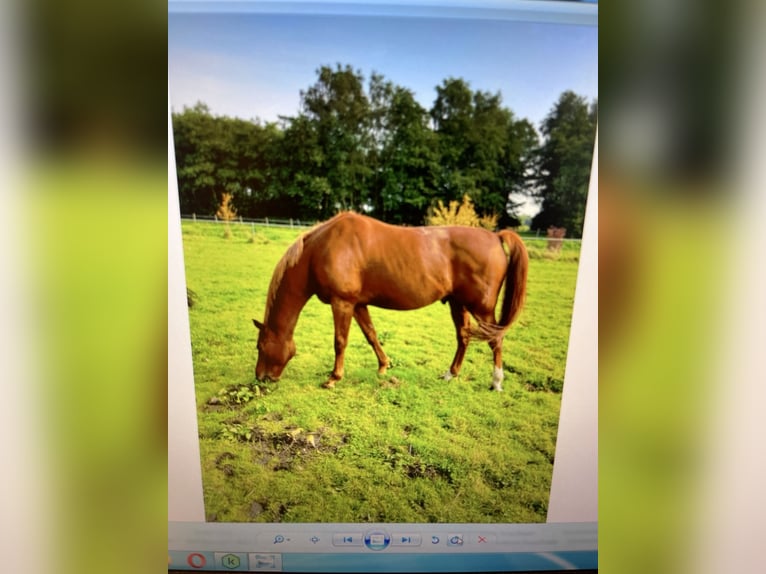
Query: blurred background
(84, 284)
(84, 116)
(680, 254)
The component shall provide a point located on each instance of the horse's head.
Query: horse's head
(274, 352)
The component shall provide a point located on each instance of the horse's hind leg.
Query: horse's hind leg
(362, 316)
(496, 344)
(462, 321)
(497, 353)
(342, 311)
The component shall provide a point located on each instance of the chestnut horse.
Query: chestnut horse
(352, 261)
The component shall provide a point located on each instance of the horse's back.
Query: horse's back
(358, 258)
(363, 260)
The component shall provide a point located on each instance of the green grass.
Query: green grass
(405, 447)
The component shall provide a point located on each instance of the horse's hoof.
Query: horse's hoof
(447, 376)
(329, 385)
(497, 379)
(383, 368)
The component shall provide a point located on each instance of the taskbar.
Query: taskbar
(225, 547)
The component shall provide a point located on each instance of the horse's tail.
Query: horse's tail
(515, 288)
(515, 279)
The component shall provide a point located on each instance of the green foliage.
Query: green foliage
(220, 155)
(537, 248)
(239, 394)
(369, 146)
(404, 157)
(564, 162)
(292, 451)
(236, 432)
(338, 110)
(485, 152)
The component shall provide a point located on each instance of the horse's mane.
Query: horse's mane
(289, 259)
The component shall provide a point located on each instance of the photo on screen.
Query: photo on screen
(290, 130)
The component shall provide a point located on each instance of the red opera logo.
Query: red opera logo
(196, 560)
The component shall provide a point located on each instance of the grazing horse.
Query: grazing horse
(352, 261)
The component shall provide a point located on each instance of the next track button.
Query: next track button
(405, 539)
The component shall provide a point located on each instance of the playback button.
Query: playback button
(405, 539)
(348, 539)
(377, 540)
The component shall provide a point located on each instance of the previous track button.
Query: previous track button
(348, 539)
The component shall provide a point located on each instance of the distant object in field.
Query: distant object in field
(352, 261)
(556, 238)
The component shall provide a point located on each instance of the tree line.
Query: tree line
(369, 146)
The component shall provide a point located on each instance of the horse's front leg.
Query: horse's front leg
(362, 316)
(342, 311)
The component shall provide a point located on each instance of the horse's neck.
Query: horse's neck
(287, 305)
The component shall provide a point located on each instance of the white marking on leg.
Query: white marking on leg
(497, 379)
(447, 376)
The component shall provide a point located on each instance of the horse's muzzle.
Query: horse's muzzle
(265, 378)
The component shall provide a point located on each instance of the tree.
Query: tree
(564, 161)
(254, 147)
(452, 113)
(303, 190)
(403, 157)
(195, 134)
(488, 144)
(518, 168)
(339, 112)
(484, 151)
(220, 155)
(373, 148)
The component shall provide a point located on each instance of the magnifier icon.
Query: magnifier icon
(279, 539)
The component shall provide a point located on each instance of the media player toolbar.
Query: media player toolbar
(351, 537)
(375, 539)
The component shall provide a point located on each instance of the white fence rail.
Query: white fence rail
(265, 222)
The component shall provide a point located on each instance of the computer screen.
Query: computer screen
(318, 422)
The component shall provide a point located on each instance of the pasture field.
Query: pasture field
(404, 447)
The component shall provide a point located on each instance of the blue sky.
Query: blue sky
(253, 65)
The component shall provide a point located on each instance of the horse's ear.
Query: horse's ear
(258, 324)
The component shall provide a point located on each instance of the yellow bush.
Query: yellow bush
(488, 221)
(459, 214)
(226, 212)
